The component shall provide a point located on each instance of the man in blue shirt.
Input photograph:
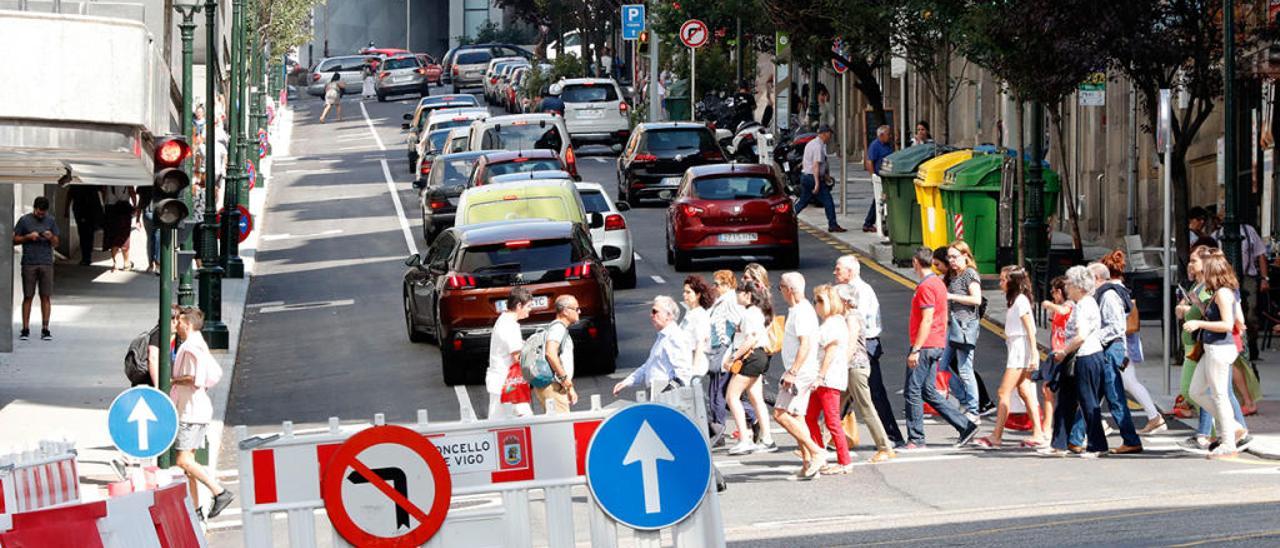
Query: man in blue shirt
(37, 233)
(552, 103)
(876, 153)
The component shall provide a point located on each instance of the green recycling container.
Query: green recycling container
(897, 176)
(971, 192)
(678, 108)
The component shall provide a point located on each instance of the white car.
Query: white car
(451, 118)
(457, 140)
(572, 46)
(594, 110)
(524, 132)
(612, 232)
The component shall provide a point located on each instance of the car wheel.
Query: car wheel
(671, 257)
(683, 262)
(413, 162)
(627, 280)
(382, 98)
(412, 327)
(456, 90)
(790, 258)
(455, 373)
(632, 199)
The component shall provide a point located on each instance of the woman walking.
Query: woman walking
(748, 363)
(1211, 385)
(367, 91)
(1115, 263)
(1080, 382)
(1023, 358)
(833, 377)
(964, 296)
(333, 97)
(119, 201)
(696, 323)
(859, 362)
(723, 319)
(1060, 307)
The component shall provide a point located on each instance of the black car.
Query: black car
(455, 293)
(438, 190)
(658, 154)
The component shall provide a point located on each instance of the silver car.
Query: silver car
(468, 68)
(349, 67)
(401, 75)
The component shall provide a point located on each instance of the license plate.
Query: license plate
(403, 78)
(473, 74)
(538, 302)
(670, 181)
(591, 114)
(738, 238)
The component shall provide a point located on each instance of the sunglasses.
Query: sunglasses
(654, 312)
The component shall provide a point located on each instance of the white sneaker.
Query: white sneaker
(743, 448)
(973, 418)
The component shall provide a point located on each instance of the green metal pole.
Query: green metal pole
(1230, 225)
(186, 291)
(231, 262)
(1036, 239)
(258, 112)
(215, 332)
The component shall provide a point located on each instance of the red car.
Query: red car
(431, 67)
(731, 210)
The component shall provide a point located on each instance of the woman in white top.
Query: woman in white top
(752, 362)
(1080, 385)
(859, 362)
(697, 321)
(1023, 358)
(833, 376)
(1212, 380)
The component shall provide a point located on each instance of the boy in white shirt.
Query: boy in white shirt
(194, 371)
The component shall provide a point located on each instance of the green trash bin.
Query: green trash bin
(678, 109)
(971, 190)
(897, 176)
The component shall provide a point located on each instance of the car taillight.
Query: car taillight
(577, 271)
(315, 77)
(513, 244)
(457, 344)
(455, 70)
(421, 71)
(782, 207)
(460, 281)
(438, 204)
(643, 158)
(712, 155)
(614, 222)
(425, 169)
(690, 210)
(622, 108)
(382, 75)
(571, 160)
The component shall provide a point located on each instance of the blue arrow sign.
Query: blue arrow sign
(648, 466)
(632, 21)
(142, 422)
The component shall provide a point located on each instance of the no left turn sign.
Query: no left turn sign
(694, 33)
(386, 486)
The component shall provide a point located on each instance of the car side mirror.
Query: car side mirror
(595, 220)
(419, 184)
(413, 260)
(623, 206)
(611, 253)
(408, 116)
(616, 149)
(405, 126)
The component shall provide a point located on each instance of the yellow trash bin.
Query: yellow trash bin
(933, 218)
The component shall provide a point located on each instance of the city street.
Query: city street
(324, 336)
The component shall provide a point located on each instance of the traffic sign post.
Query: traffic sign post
(143, 422)
(648, 466)
(633, 21)
(694, 34)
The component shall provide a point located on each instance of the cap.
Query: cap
(824, 128)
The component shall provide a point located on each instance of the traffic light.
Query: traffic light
(170, 181)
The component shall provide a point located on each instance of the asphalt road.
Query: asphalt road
(325, 337)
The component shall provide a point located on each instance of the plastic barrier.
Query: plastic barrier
(162, 518)
(495, 467)
(43, 477)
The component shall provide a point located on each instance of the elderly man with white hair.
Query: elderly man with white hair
(800, 357)
(848, 272)
(670, 361)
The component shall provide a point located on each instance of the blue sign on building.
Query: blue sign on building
(143, 422)
(632, 21)
(648, 466)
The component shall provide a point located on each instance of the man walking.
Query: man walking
(505, 345)
(876, 153)
(37, 233)
(928, 332)
(800, 378)
(813, 180)
(671, 353)
(559, 350)
(194, 371)
(1255, 283)
(848, 272)
(85, 204)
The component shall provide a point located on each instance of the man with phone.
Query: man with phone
(37, 233)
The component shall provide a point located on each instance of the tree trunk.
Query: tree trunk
(1068, 190)
(866, 83)
(1178, 179)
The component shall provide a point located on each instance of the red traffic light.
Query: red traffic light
(171, 153)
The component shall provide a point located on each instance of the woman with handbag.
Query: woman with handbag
(1080, 384)
(748, 363)
(1023, 357)
(860, 374)
(964, 296)
(1211, 384)
(1060, 307)
(724, 315)
(1115, 263)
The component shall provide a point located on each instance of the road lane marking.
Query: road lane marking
(638, 257)
(395, 198)
(268, 303)
(286, 235)
(658, 279)
(465, 410)
(372, 130)
(305, 306)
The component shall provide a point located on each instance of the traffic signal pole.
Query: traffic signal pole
(215, 332)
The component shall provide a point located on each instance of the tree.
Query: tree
(929, 34)
(286, 24)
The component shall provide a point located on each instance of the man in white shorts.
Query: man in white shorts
(800, 356)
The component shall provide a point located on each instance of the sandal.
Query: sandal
(1249, 410)
(836, 469)
(985, 443)
(1032, 443)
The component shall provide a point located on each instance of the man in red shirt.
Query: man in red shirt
(928, 331)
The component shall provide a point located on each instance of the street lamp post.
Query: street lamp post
(186, 291)
(231, 262)
(1035, 238)
(215, 332)
(1230, 224)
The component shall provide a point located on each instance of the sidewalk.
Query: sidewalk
(63, 387)
(1265, 426)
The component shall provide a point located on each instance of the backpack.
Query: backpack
(533, 358)
(136, 357)
(776, 332)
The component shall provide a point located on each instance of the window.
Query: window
(353, 64)
(542, 164)
(539, 255)
(460, 144)
(451, 173)
(535, 207)
(522, 137)
(441, 249)
(734, 188)
(401, 63)
(594, 201)
(678, 140)
(475, 15)
(473, 57)
(450, 124)
(584, 93)
(436, 140)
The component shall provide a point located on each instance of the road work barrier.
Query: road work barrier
(477, 483)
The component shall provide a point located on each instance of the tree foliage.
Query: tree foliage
(286, 24)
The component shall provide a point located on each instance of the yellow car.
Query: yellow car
(536, 198)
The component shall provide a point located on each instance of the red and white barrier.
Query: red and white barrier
(41, 477)
(161, 518)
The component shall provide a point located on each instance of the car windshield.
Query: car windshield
(449, 124)
(533, 207)
(451, 100)
(733, 188)
(452, 173)
(436, 140)
(678, 140)
(588, 93)
(593, 201)
(400, 63)
(532, 256)
(474, 57)
(522, 165)
(521, 137)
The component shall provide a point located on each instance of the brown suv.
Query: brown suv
(455, 293)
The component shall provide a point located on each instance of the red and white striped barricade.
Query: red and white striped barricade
(493, 467)
(41, 477)
(159, 518)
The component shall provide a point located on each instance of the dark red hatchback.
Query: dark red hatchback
(731, 210)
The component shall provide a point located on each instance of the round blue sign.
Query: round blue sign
(142, 422)
(648, 466)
